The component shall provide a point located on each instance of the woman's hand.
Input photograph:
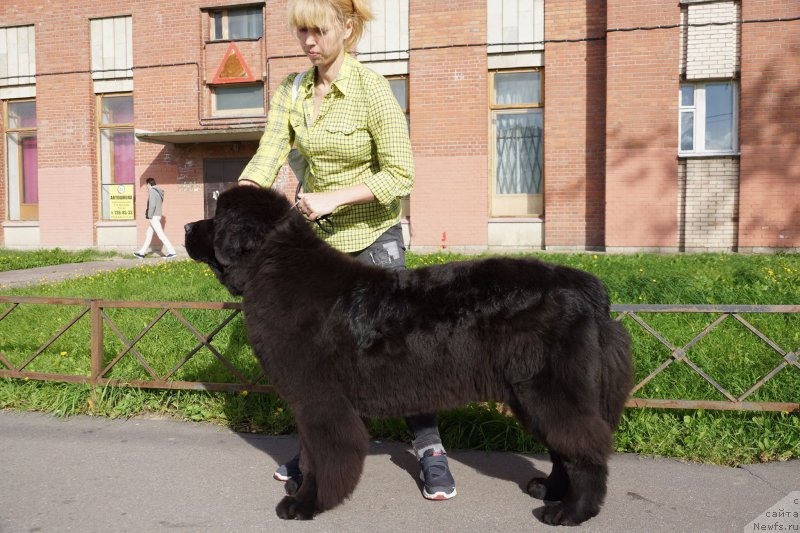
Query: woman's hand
(316, 205)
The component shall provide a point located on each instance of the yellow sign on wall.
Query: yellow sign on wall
(121, 202)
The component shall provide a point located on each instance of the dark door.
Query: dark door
(218, 175)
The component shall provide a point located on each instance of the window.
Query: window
(517, 115)
(22, 160)
(17, 56)
(115, 124)
(515, 25)
(112, 48)
(237, 24)
(386, 36)
(238, 100)
(399, 85)
(708, 117)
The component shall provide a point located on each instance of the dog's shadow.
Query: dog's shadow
(510, 467)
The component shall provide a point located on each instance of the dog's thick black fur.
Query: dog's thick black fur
(341, 340)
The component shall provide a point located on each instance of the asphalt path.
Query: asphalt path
(99, 475)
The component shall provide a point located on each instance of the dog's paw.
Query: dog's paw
(558, 515)
(287, 508)
(545, 489)
(290, 508)
(537, 487)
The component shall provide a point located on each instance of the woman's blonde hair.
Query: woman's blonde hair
(324, 13)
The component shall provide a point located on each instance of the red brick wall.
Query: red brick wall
(642, 125)
(65, 122)
(610, 118)
(449, 123)
(769, 132)
(574, 124)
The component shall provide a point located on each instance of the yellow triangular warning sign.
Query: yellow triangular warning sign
(233, 68)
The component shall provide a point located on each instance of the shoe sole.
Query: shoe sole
(278, 477)
(439, 495)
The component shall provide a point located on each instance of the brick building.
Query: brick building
(564, 125)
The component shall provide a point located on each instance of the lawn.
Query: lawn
(730, 354)
(16, 260)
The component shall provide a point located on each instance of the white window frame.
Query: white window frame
(699, 124)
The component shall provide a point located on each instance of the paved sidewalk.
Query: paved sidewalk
(98, 475)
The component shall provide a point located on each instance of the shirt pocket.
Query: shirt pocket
(348, 142)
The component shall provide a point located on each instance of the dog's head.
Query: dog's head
(244, 217)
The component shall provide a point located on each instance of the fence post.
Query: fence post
(96, 342)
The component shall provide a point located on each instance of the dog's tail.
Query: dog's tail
(617, 370)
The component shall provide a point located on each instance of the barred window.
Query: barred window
(517, 114)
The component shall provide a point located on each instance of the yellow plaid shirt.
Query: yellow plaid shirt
(359, 136)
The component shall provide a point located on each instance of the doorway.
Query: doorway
(219, 175)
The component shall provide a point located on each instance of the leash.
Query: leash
(319, 221)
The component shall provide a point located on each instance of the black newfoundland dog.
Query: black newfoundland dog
(341, 340)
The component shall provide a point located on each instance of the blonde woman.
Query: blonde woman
(347, 124)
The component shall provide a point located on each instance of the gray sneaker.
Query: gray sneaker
(437, 479)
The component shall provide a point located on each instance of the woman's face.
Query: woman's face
(323, 46)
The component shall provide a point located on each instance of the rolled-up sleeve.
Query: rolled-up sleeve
(389, 130)
(276, 141)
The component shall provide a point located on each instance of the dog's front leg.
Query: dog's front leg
(302, 504)
(334, 443)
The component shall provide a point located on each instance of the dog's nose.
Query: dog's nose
(188, 227)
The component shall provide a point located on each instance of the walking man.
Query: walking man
(155, 200)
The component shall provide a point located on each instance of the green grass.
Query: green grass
(730, 354)
(17, 260)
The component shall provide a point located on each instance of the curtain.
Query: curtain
(245, 23)
(519, 152)
(30, 171)
(123, 157)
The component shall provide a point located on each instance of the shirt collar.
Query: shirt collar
(345, 72)
(342, 79)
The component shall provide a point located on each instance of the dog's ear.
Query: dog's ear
(236, 235)
(244, 216)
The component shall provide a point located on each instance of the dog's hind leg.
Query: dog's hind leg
(553, 487)
(579, 442)
(334, 445)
